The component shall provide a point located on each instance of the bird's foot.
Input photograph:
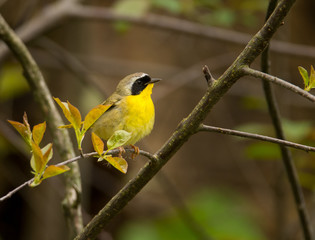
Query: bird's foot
(121, 151)
(136, 153)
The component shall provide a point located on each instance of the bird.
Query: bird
(131, 109)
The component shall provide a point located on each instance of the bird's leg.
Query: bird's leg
(121, 151)
(136, 153)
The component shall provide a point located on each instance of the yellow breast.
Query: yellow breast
(134, 114)
(139, 114)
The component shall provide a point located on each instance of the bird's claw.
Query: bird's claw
(136, 153)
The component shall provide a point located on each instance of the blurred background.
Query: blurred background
(218, 186)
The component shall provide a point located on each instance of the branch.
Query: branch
(189, 125)
(61, 138)
(264, 76)
(74, 159)
(205, 128)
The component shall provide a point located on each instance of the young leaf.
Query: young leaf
(65, 108)
(23, 131)
(38, 164)
(304, 75)
(47, 155)
(312, 78)
(53, 170)
(75, 115)
(38, 132)
(119, 138)
(47, 152)
(117, 162)
(98, 144)
(25, 121)
(93, 115)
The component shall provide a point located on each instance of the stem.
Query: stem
(264, 76)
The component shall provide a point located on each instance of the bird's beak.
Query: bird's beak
(155, 80)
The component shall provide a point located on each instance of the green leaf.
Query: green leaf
(131, 8)
(23, 131)
(53, 170)
(312, 78)
(304, 75)
(38, 132)
(117, 162)
(98, 144)
(93, 115)
(75, 115)
(118, 139)
(38, 161)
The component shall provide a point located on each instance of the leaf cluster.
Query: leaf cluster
(73, 115)
(40, 156)
(118, 139)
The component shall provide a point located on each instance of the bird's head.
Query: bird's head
(135, 83)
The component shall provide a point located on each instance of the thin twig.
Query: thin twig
(258, 74)
(74, 159)
(9, 194)
(227, 131)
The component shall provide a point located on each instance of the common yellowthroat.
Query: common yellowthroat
(131, 109)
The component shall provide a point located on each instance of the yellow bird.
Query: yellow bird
(131, 109)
